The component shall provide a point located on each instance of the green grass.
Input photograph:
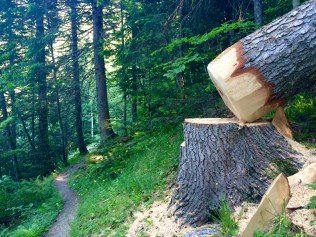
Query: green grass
(229, 226)
(37, 203)
(121, 178)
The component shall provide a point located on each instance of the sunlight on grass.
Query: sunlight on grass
(136, 172)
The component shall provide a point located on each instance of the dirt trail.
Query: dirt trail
(61, 227)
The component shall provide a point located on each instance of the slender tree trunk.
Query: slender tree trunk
(296, 3)
(52, 19)
(125, 113)
(60, 119)
(28, 136)
(268, 67)
(33, 113)
(258, 12)
(124, 74)
(92, 119)
(106, 130)
(39, 55)
(134, 94)
(10, 136)
(76, 77)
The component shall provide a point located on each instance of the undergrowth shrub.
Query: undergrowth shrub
(27, 208)
(302, 113)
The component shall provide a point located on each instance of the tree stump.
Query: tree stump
(225, 159)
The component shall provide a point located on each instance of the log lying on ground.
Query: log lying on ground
(224, 159)
(263, 70)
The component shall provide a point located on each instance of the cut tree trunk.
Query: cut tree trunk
(264, 69)
(224, 159)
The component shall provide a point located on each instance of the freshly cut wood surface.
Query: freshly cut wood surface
(225, 159)
(281, 123)
(260, 72)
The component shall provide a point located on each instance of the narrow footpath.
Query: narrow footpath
(61, 227)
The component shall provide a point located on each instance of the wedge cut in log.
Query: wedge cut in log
(271, 65)
(225, 159)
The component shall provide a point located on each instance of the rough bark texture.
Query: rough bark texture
(99, 64)
(284, 52)
(264, 69)
(223, 159)
(75, 76)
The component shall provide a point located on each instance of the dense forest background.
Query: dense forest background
(126, 72)
(76, 72)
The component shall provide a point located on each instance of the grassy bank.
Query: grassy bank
(27, 208)
(122, 177)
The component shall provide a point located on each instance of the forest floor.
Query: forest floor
(61, 227)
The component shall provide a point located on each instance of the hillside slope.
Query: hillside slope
(120, 178)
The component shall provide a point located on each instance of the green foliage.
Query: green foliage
(5, 123)
(220, 31)
(282, 228)
(27, 208)
(302, 111)
(229, 226)
(130, 174)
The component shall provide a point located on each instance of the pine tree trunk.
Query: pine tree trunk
(271, 65)
(60, 119)
(40, 73)
(76, 78)
(99, 64)
(224, 159)
(134, 94)
(52, 19)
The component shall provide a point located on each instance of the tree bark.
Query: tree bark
(134, 94)
(258, 12)
(52, 19)
(224, 159)
(271, 65)
(99, 65)
(40, 74)
(60, 119)
(76, 77)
